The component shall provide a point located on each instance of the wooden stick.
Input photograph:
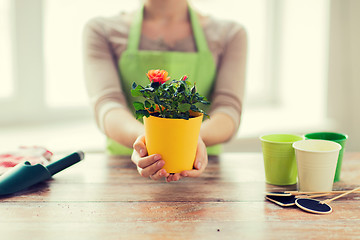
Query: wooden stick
(341, 195)
(313, 196)
(301, 193)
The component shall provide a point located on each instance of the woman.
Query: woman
(164, 35)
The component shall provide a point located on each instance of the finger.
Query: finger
(152, 169)
(135, 157)
(174, 177)
(169, 178)
(184, 173)
(199, 169)
(140, 146)
(159, 174)
(201, 158)
(148, 161)
(200, 163)
(191, 173)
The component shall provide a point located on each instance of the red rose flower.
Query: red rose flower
(160, 76)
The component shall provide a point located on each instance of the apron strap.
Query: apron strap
(136, 26)
(135, 30)
(199, 35)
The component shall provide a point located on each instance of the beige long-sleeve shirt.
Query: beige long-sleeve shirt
(105, 39)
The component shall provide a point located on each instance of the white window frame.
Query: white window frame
(25, 106)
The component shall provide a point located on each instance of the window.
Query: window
(64, 73)
(258, 87)
(286, 68)
(63, 25)
(299, 66)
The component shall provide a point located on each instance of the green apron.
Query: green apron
(134, 64)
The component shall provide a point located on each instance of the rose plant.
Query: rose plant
(172, 114)
(176, 99)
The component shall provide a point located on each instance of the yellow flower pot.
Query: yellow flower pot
(174, 139)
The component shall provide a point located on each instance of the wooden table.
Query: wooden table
(105, 198)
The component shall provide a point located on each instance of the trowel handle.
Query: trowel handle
(65, 162)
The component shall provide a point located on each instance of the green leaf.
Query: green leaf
(184, 107)
(205, 102)
(147, 104)
(149, 89)
(138, 115)
(166, 95)
(141, 113)
(138, 106)
(157, 100)
(134, 85)
(181, 88)
(137, 92)
(194, 108)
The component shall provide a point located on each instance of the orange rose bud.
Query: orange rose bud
(160, 76)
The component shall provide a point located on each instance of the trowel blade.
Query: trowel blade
(22, 176)
(25, 175)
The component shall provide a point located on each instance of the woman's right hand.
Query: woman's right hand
(147, 166)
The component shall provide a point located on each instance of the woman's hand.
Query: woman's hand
(148, 166)
(151, 166)
(201, 161)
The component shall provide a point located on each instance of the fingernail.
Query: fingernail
(157, 157)
(160, 163)
(142, 152)
(161, 173)
(198, 166)
(184, 174)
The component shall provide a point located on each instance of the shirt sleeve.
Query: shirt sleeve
(228, 92)
(101, 72)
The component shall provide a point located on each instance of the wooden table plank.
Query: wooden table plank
(18, 213)
(105, 198)
(99, 178)
(231, 218)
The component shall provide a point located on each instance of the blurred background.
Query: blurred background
(303, 71)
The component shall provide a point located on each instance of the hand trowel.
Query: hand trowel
(25, 175)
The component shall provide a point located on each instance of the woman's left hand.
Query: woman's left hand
(200, 163)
